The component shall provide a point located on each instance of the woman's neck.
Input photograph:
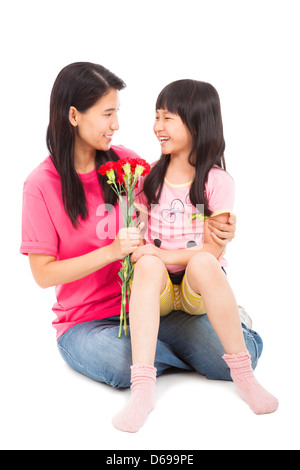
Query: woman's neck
(84, 160)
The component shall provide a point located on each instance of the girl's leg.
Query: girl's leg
(150, 277)
(205, 277)
(149, 282)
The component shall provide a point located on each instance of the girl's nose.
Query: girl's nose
(158, 126)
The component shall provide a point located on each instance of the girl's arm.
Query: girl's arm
(48, 272)
(182, 257)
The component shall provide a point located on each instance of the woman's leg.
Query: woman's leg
(149, 282)
(94, 350)
(193, 338)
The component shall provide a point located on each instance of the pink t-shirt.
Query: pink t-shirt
(47, 229)
(175, 223)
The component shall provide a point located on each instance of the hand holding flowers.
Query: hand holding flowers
(127, 241)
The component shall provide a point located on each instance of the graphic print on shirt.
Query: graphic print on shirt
(182, 214)
(176, 210)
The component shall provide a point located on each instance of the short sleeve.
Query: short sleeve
(38, 232)
(220, 191)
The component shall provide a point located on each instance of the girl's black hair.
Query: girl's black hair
(198, 105)
(81, 85)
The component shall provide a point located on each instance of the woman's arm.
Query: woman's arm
(182, 257)
(48, 272)
(223, 233)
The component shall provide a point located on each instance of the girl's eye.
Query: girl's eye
(108, 115)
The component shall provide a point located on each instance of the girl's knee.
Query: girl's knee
(150, 270)
(202, 262)
(149, 264)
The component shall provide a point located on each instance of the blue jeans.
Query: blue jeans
(185, 342)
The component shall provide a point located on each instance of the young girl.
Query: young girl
(181, 266)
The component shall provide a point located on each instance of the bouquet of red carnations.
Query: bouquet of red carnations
(122, 177)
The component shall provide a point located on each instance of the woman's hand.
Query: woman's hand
(144, 250)
(223, 233)
(127, 241)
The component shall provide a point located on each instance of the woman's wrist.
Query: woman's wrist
(107, 255)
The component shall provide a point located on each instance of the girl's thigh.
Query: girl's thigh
(194, 340)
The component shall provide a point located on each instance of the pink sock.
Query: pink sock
(142, 400)
(259, 400)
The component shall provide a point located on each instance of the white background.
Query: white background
(249, 50)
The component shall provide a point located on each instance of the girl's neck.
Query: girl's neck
(180, 170)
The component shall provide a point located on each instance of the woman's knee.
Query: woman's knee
(254, 344)
(95, 351)
(114, 375)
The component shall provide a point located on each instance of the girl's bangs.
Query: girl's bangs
(168, 101)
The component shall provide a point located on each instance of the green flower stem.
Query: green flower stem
(127, 207)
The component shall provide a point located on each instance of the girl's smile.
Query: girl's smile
(173, 135)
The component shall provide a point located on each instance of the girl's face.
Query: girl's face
(96, 126)
(172, 133)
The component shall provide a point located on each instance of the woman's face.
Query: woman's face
(96, 126)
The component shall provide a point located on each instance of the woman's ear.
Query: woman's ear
(73, 116)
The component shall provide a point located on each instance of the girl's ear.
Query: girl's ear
(73, 116)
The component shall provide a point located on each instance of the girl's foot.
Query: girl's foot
(259, 400)
(142, 400)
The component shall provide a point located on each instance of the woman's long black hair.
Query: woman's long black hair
(80, 85)
(198, 105)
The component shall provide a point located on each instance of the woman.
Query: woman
(75, 244)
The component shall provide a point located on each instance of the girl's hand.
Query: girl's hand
(127, 240)
(149, 249)
(223, 233)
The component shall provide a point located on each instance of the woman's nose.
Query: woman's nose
(115, 124)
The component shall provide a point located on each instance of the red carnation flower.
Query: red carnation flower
(109, 166)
